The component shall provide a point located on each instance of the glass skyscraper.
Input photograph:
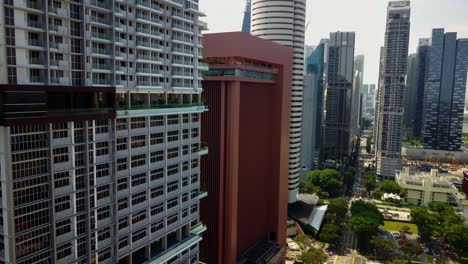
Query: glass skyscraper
(445, 91)
(247, 17)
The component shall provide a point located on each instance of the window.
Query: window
(172, 153)
(104, 234)
(172, 186)
(185, 213)
(123, 242)
(157, 156)
(64, 251)
(138, 141)
(138, 160)
(138, 122)
(193, 209)
(185, 118)
(172, 203)
(194, 132)
(172, 169)
(157, 138)
(121, 124)
(157, 174)
(138, 198)
(102, 126)
(138, 179)
(63, 227)
(185, 197)
(138, 217)
(157, 191)
(185, 182)
(157, 226)
(172, 136)
(194, 118)
(122, 204)
(121, 144)
(62, 203)
(122, 164)
(103, 255)
(185, 150)
(157, 121)
(185, 166)
(194, 163)
(103, 192)
(157, 209)
(185, 133)
(123, 223)
(172, 219)
(60, 130)
(122, 184)
(139, 235)
(103, 213)
(62, 179)
(102, 148)
(172, 120)
(102, 170)
(60, 155)
(194, 178)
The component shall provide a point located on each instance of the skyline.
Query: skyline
(223, 16)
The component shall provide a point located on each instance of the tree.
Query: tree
(364, 221)
(405, 229)
(330, 233)
(304, 241)
(308, 188)
(313, 256)
(369, 143)
(328, 181)
(369, 181)
(383, 247)
(390, 187)
(338, 208)
(426, 221)
(411, 249)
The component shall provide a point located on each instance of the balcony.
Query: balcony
(98, 3)
(148, 71)
(34, 5)
(198, 229)
(35, 24)
(181, 85)
(58, 11)
(100, 35)
(148, 4)
(202, 194)
(36, 61)
(160, 109)
(175, 249)
(101, 82)
(202, 150)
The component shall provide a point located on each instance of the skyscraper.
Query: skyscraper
(356, 100)
(284, 23)
(100, 131)
(377, 98)
(247, 16)
(445, 91)
(369, 91)
(410, 95)
(312, 107)
(248, 94)
(421, 71)
(392, 88)
(336, 135)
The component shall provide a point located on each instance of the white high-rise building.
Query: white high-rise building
(392, 88)
(284, 23)
(100, 104)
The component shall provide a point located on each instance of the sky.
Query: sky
(365, 17)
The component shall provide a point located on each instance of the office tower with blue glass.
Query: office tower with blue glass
(444, 96)
(336, 130)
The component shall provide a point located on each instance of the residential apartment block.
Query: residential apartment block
(100, 131)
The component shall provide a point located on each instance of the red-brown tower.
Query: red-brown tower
(248, 93)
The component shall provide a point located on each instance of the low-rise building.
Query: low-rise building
(423, 188)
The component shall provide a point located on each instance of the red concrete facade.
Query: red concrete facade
(465, 183)
(247, 131)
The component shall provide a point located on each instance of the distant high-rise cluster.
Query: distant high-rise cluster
(392, 88)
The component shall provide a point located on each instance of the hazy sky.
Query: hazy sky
(365, 17)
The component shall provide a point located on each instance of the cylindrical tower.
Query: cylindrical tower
(283, 22)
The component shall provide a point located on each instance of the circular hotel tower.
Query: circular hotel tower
(283, 22)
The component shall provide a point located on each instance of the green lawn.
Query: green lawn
(396, 226)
